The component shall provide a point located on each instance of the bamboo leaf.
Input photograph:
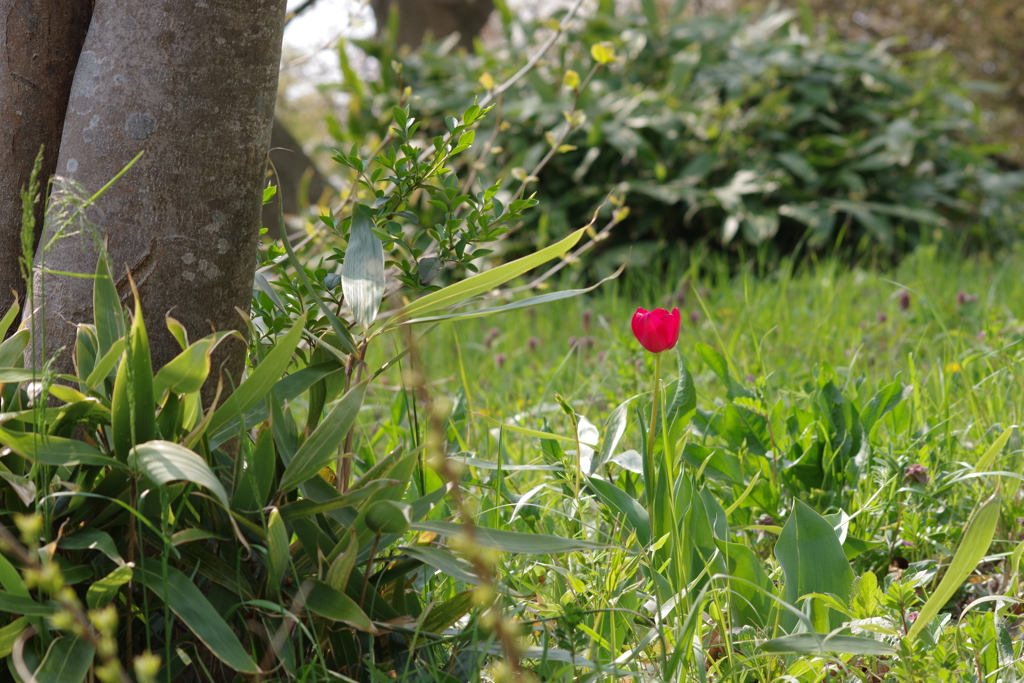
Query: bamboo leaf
(187, 371)
(9, 317)
(340, 570)
(54, 450)
(323, 600)
(484, 282)
(321, 447)
(165, 461)
(132, 414)
(105, 365)
(524, 303)
(103, 591)
(633, 512)
(986, 461)
(277, 549)
(261, 380)
(67, 660)
(11, 350)
(22, 606)
(107, 312)
(362, 274)
(192, 607)
(510, 541)
(9, 634)
(447, 613)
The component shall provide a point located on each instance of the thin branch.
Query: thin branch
(535, 58)
(308, 4)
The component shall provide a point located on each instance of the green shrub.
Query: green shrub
(732, 128)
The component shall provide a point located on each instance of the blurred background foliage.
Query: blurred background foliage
(738, 126)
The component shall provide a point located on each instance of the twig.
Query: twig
(308, 4)
(532, 62)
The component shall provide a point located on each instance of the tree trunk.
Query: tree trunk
(437, 17)
(39, 45)
(192, 84)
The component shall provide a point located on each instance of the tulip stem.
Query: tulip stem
(650, 485)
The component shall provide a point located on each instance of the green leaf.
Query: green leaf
(442, 616)
(54, 450)
(16, 375)
(321, 447)
(11, 350)
(11, 579)
(67, 660)
(362, 273)
(811, 643)
(887, 398)
(813, 561)
(714, 359)
(749, 598)
(387, 517)
(15, 604)
(261, 380)
(339, 328)
(632, 511)
(257, 477)
(192, 607)
(9, 317)
(798, 166)
(92, 539)
(484, 282)
(165, 461)
(103, 591)
(132, 414)
(684, 398)
(510, 541)
(986, 461)
(105, 365)
(341, 568)
(331, 500)
(323, 600)
(9, 634)
(278, 551)
(447, 562)
(106, 306)
(975, 543)
(524, 303)
(188, 371)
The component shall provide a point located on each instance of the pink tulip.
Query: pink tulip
(656, 330)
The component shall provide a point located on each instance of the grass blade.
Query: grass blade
(975, 543)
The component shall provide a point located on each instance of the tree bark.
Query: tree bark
(39, 45)
(193, 84)
(438, 17)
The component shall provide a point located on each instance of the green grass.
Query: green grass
(832, 492)
(804, 350)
